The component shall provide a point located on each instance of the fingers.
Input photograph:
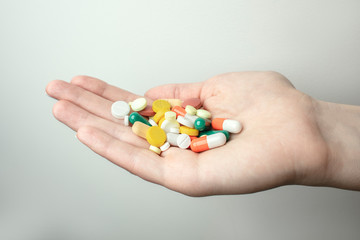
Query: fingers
(76, 117)
(138, 161)
(89, 101)
(181, 91)
(103, 89)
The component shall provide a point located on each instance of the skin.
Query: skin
(287, 138)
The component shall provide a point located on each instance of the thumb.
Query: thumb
(180, 91)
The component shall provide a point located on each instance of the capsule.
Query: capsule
(208, 142)
(134, 117)
(226, 124)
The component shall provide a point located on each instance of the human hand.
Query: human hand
(281, 143)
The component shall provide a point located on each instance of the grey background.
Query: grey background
(53, 187)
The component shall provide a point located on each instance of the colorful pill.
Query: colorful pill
(134, 117)
(210, 132)
(174, 101)
(229, 125)
(189, 131)
(208, 142)
(201, 124)
(140, 129)
(161, 105)
(155, 136)
(159, 114)
(139, 104)
(147, 111)
(120, 109)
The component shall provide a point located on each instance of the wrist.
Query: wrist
(339, 126)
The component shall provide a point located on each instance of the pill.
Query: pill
(126, 120)
(139, 104)
(180, 140)
(195, 102)
(190, 110)
(159, 114)
(201, 124)
(180, 111)
(172, 138)
(152, 122)
(140, 129)
(210, 132)
(147, 111)
(161, 105)
(135, 117)
(229, 125)
(155, 149)
(174, 130)
(120, 109)
(174, 102)
(203, 113)
(208, 142)
(193, 137)
(189, 131)
(183, 141)
(155, 136)
(170, 115)
(165, 146)
(166, 125)
(184, 121)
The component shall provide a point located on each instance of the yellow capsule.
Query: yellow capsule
(160, 114)
(155, 149)
(156, 136)
(189, 131)
(140, 129)
(161, 105)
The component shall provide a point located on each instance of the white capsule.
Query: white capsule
(120, 109)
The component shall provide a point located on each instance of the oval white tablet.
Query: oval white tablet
(185, 121)
(120, 109)
(139, 104)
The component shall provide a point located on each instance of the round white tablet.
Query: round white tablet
(120, 109)
(183, 141)
(139, 104)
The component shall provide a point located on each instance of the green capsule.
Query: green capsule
(210, 132)
(135, 117)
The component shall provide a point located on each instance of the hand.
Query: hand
(281, 143)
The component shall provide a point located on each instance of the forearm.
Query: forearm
(340, 126)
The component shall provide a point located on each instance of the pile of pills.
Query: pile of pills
(173, 122)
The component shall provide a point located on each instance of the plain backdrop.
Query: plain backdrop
(54, 188)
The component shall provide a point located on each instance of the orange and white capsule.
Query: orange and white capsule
(226, 124)
(208, 142)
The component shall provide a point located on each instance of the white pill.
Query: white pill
(139, 104)
(155, 149)
(203, 113)
(120, 109)
(183, 141)
(172, 138)
(165, 146)
(170, 115)
(185, 121)
(126, 120)
(168, 124)
(174, 130)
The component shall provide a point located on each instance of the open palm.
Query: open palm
(280, 143)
